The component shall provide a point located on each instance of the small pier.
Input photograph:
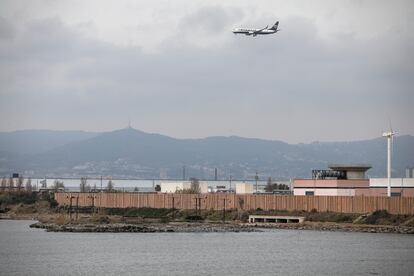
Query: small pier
(275, 219)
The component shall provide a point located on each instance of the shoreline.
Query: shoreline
(176, 227)
(341, 227)
(53, 218)
(208, 227)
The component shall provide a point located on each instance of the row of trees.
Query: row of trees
(19, 184)
(270, 186)
(84, 187)
(16, 184)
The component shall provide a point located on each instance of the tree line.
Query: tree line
(21, 184)
(16, 184)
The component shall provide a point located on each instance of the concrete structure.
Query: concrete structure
(340, 180)
(244, 188)
(352, 171)
(330, 187)
(275, 219)
(399, 187)
(349, 180)
(173, 187)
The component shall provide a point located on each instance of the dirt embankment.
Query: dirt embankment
(166, 220)
(147, 227)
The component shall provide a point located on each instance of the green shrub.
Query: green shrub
(53, 203)
(376, 216)
(329, 217)
(18, 197)
(139, 212)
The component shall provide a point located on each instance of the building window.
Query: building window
(309, 193)
(395, 194)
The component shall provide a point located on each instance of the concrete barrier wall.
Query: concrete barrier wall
(340, 204)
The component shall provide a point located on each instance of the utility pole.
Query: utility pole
(70, 207)
(199, 205)
(92, 197)
(196, 205)
(183, 173)
(224, 210)
(77, 206)
(173, 209)
(256, 178)
(101, 183)
(215, 174)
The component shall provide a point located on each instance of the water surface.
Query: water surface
(25, 251)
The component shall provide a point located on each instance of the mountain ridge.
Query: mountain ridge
(134, 153)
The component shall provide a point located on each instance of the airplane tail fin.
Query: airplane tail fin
(275, 26)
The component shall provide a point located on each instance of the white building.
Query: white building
(244, 188)
(399, 186)
(174, 186)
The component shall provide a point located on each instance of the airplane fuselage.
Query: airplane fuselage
(254, 32)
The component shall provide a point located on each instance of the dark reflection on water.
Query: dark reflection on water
(25, 251)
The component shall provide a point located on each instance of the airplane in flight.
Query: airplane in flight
(265, 31)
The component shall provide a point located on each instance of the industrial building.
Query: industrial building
(399, 187)
(244, 188)
(350, 180)
(339, 180)
(177, 186)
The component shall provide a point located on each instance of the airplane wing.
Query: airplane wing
(258, 31)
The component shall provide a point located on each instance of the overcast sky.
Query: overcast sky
(338, 70)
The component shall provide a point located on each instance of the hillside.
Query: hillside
(133, 153)
(37, 141)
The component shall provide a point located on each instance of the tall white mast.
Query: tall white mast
(389, 136)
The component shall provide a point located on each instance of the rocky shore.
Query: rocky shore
(340, 227)
(214, 227)
(146, 228)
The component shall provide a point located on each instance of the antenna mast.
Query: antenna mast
(389, 136)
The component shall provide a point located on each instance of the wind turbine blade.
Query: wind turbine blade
(389, 120)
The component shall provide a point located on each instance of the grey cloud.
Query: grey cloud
(210, 19)
(7, 31)
(263, 87)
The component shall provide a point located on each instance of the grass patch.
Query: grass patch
(213, 215)
(11, 198)
(330, 217)
(382, 217)
(139, 212)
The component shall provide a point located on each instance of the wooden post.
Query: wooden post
(224, 210)
(77, 206)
